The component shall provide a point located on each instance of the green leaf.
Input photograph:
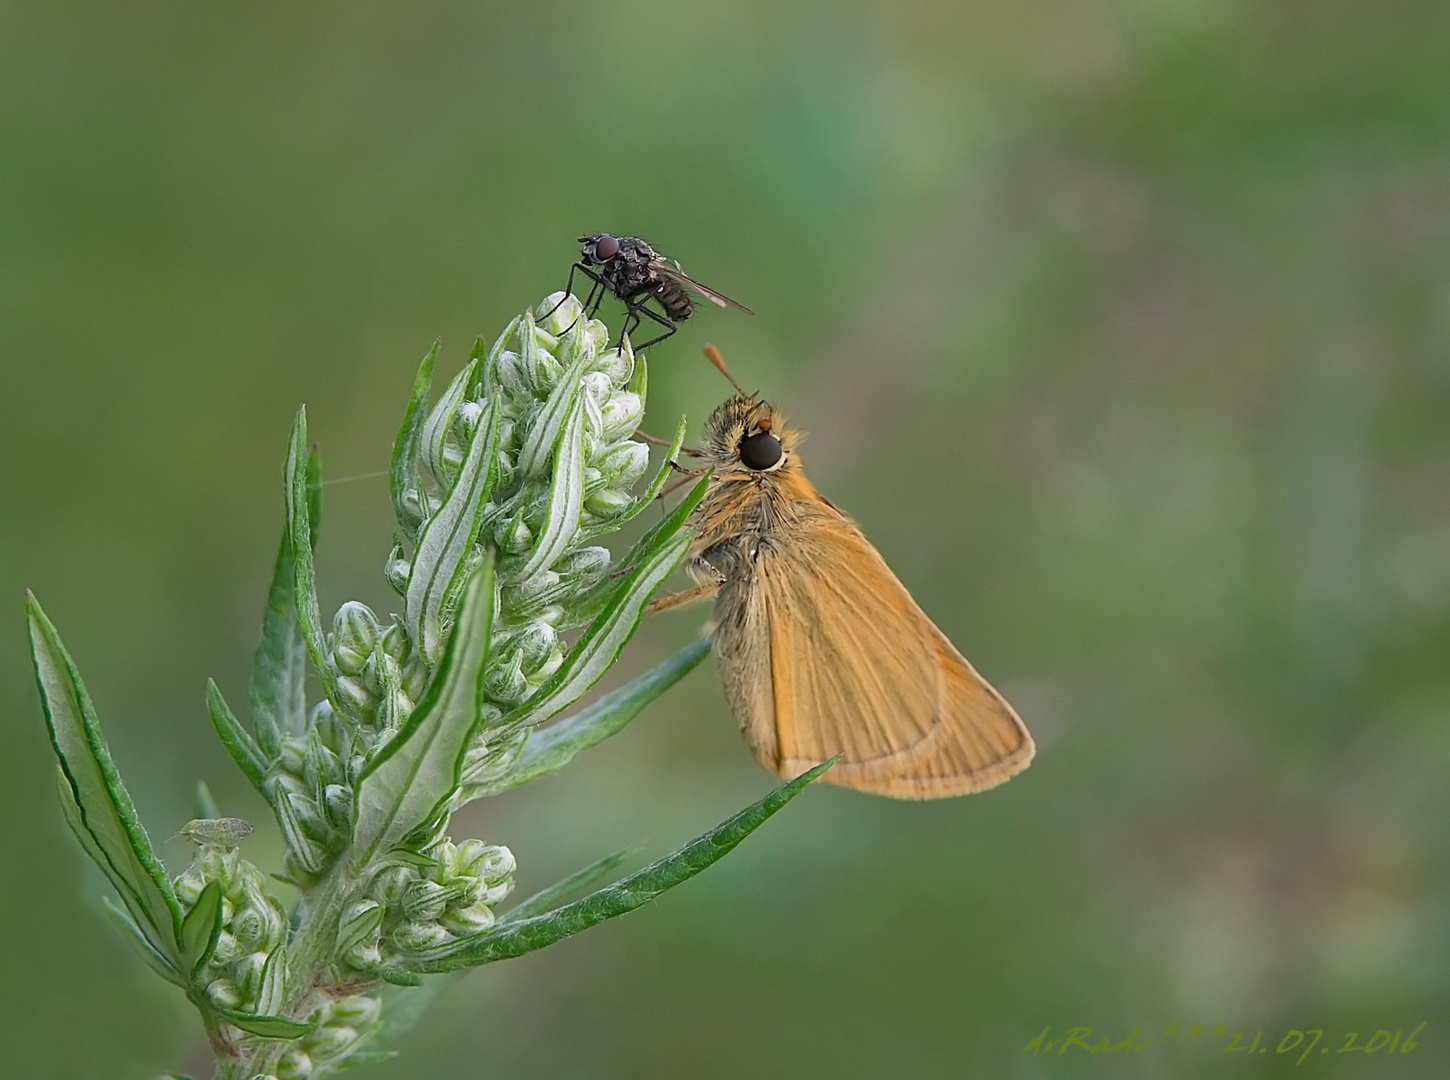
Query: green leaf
(415, 774)
(234, 737)
(445, 551)
(273, 986)
(434, 435)
(399, 977)
(279, 666)
(267, 1027)
(200, 928)
(566, 496)
(652, 560)
(367, 1057)
(206, 806)
(544, 435)
(517, 938)
(99, 808)
(132, 933)
(544, 899)
(300, 538)
(403, 470)
(550, 748)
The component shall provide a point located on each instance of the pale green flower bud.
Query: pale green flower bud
(509, 368)
(329, 1043)
(223, 994)
(621, 415)
(625, 464)
(413, 937)
(468, 920)
(360, 924)
(390, 884)
(507, 682)
(584, 568)
(424, 901)
(382, 671)
(226, 949)
(337, 806)
(355, 634)
(246, 973)
(248, 927)
(608, 503)
(356, 696)
(364, 957)
(357, 1011)
(514, 536)
(397, 569)
(295, 1065)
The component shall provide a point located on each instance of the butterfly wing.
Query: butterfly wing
(825, 653)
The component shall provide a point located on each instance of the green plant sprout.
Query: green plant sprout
(502, 490)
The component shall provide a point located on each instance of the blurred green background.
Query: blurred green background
(1123, 328)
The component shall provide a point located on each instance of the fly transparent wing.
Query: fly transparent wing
(675, 274)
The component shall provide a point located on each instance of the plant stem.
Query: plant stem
(309, 964)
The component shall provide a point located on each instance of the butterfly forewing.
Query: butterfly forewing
(827, 653)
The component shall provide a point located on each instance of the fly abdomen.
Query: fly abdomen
(674, 300)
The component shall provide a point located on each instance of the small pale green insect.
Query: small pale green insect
(226, 832)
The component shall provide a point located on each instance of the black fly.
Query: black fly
(633, 271)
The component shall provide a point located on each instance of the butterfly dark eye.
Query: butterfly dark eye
(760, 451)
(606, 248)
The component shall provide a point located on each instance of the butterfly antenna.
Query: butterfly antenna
(712, 354)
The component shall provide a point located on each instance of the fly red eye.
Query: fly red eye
(760, 451)
(606, 247)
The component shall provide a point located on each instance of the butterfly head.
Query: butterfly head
(748, 436)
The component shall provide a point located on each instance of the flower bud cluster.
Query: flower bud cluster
(540, 372)
(379, 676)
(310, 789)
(420, 907)
(253, 923)
(341, 1027)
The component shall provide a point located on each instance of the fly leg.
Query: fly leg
(597, 292)
(636, 309)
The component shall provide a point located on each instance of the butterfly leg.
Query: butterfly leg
(683, 598)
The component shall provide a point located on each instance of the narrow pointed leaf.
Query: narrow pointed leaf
(544, 436)
(413, 776)
(273, 989)
(279, 666)
(403, 470)
(267, 1027)
(235, 738)
(560, 891)
(200, 928)
(300, 537)
(101, 807)
(434, 434)
(446, 546)
(550, 748)
(566, 496)
(205, 804)
(652, 560)
(132, 933)
(517, 938)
